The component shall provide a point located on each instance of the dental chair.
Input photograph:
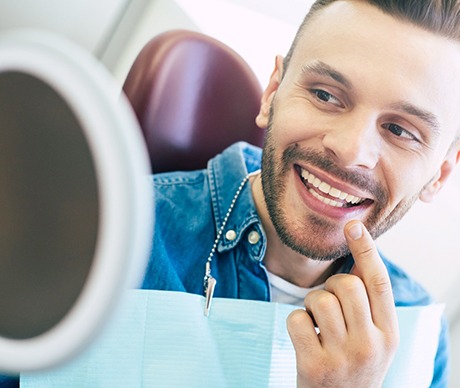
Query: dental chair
(193, 97)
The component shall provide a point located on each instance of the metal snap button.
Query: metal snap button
(230, 235)
(253, 237)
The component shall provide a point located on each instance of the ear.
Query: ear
(267, 96)
(431, 189)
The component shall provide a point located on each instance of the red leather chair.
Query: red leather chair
(193, 96)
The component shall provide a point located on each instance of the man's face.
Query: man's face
(358, 128)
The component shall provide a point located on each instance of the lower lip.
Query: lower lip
(321, 208)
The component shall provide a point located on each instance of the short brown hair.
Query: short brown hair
(439, 16)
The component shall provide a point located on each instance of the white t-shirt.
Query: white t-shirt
(285, 292)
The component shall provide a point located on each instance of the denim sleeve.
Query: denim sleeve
(9, 381)
(442, 366)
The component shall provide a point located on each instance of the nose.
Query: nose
(354, 141)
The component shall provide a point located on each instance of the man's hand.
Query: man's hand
(356, 316)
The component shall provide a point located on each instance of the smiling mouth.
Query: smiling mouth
(328, 194)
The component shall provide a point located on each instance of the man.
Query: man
(362, 120)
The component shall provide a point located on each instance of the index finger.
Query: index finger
(373, 272)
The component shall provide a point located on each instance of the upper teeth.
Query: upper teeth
(328, 189)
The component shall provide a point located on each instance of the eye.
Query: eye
(327, 97)
(399, 131)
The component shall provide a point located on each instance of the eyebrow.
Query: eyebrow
(427, 117)
(323, 69)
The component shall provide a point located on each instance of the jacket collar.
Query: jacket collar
(226, 172)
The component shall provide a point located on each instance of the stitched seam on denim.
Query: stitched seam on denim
(186, 179)
(214, 195)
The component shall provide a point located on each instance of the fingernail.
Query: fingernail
(355, 231)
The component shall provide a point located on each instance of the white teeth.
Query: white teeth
(335, 192)
(343, 195)
(352, 199)
(305, 174)
(327, 201)
(327, 189)
(324, 187)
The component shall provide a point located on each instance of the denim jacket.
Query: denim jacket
(190, 210)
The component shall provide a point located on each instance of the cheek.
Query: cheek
(404, 181)
(296, 124)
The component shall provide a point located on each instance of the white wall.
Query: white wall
(243, 25)
(88, 23)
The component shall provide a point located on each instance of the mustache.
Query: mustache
(363, 181)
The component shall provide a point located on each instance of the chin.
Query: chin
(314, 246)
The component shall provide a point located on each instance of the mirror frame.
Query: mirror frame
(125, 191)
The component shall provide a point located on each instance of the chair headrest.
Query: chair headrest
(193, 97)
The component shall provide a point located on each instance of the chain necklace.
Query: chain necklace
(209, 280)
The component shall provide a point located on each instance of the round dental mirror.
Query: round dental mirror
(75, 200)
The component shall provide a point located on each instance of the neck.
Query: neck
(282, 260)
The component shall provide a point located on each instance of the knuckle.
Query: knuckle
(366, 251)
(380, 284)
(295, 319)
(324, 301)
(303, 343)
(376, 349)
(366, 355)
(347, 284)
(351, 284)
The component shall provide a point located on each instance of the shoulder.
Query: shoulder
(169, 180)
(406, 290)
(239, 158)
(180, 189)
(181, 194)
